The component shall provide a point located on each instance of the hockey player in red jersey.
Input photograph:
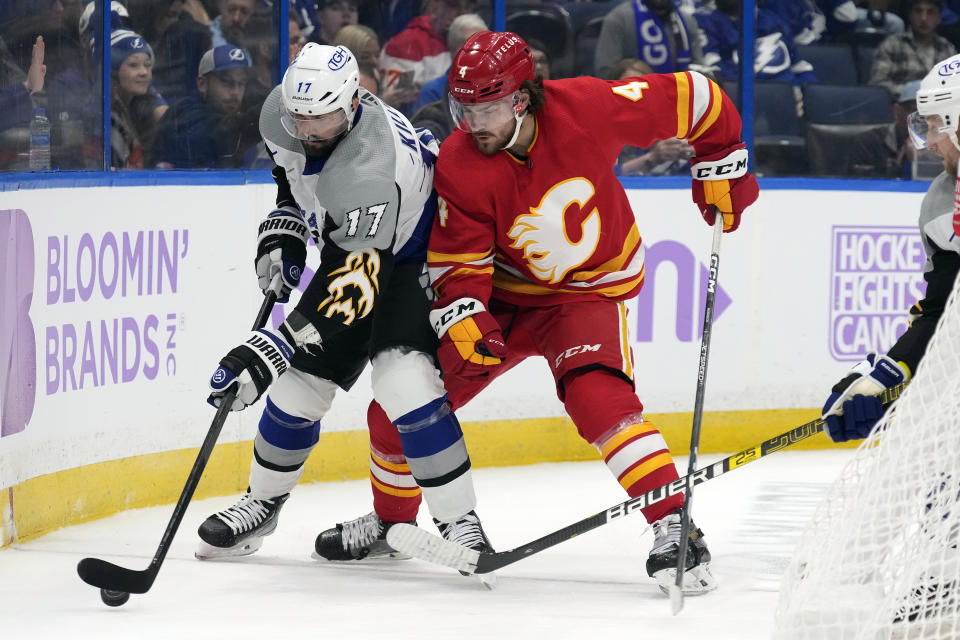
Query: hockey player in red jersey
(535, 246)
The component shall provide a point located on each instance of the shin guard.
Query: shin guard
(609, 416)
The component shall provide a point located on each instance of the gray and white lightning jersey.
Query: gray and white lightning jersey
(376, 186)
(936, 218)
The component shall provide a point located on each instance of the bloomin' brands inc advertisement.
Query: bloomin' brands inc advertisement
(118, 303)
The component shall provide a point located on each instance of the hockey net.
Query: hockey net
(880, 558)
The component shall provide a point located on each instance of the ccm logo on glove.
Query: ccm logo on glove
(732, 166)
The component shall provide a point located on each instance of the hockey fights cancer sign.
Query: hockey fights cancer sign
(95, 276)
(876, 274)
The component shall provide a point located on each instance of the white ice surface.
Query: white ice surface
(593, 586)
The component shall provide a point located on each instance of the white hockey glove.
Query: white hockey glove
(252, 367)
(282, 248)
(853, 408)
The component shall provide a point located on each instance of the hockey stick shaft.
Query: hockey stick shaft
(107, 575)
(426, 546)
(676, 594)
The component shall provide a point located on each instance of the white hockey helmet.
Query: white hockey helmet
(318, 91)
(938, 105)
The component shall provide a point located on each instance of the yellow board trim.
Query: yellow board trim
(40, 505)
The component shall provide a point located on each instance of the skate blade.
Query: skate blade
(371, 558)
(696, 581)
(209, 552)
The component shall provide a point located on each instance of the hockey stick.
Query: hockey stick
(426, 546)
(676, 590)
(116, 582)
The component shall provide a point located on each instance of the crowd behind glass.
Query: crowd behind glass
(835, 79)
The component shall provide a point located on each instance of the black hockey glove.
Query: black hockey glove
(282, 248)
(853, 407)
(252, 366)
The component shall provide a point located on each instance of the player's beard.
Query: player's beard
(322, 148)
(490, 142)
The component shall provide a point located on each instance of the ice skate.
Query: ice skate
(239, 530)
(662, 562)
(359, 539)
(468, 532)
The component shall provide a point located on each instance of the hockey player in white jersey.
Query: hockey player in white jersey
(853, 407)
(355, 174)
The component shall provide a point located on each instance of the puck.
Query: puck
(114, 598)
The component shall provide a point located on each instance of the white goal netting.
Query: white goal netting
(880, 558)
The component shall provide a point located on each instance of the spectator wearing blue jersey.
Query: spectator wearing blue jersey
(208, 130)
(178, 41)
(776, 56)
(804, 18)
(655, 31)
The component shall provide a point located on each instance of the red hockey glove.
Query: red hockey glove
(470, 340)
(721, 179)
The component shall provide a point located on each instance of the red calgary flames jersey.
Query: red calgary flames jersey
(558, 225)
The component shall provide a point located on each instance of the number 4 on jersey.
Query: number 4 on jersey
(632, 90)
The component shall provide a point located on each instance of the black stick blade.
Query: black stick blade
(106, 575)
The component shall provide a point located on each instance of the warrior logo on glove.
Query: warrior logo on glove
(252, 366)
(282, 248)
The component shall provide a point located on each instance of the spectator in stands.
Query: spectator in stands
(897, 140)
(262, 39)
(419, 53)
(804, 17)
(369, 79)
(435, 115)
(304, 12)
(907, 56)
(334, 15)
(363, 43)
(135, 107)
(178, 41)
(462, 27)
(16, 106)
(119, 19)
(665, 157)
(297, 38)
(777, 57)
(541, 63)
(231, 25)
(207, 131)
(654, 31)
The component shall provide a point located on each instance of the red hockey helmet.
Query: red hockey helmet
(489, 66)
